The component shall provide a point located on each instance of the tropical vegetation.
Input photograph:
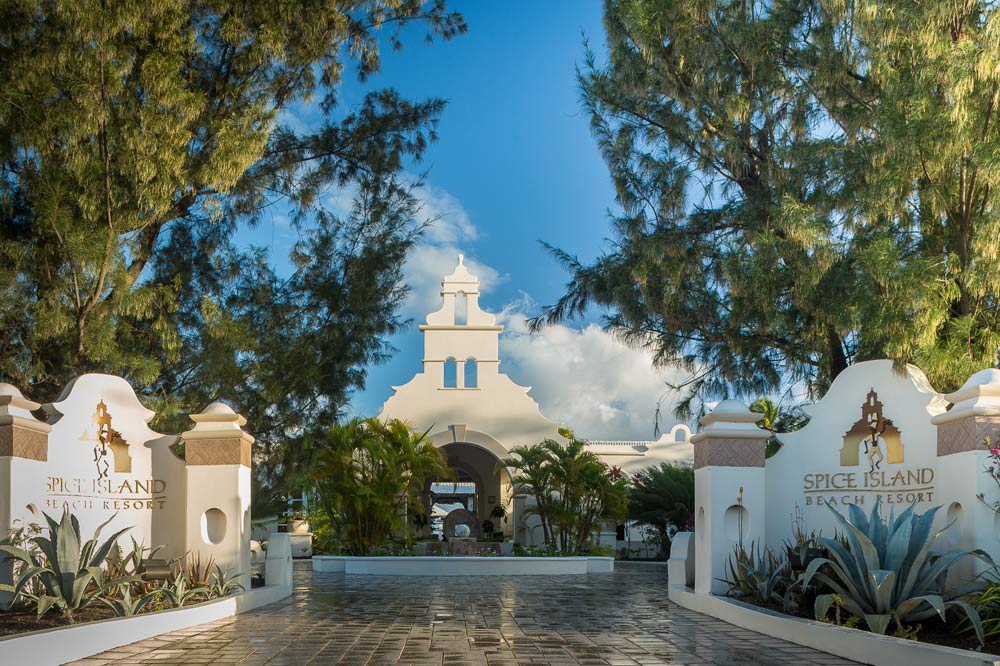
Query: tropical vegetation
(775, 419)
(987, 604)
(662, 498)
(54, 570)
(70, 571)
(369, 476)
(877, 573)
(802, 185)
(888, 571)
(575, 493)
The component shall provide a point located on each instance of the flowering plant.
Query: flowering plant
(993, 469)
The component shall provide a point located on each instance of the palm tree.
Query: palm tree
(531, 475)
(574, 491)
(662, 496)
(775, 419)
(368, 476)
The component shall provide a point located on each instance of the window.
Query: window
(471, 373)
(450, 373)
(461, 309)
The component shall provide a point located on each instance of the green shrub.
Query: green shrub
(888, 571)
(601, 551)
(662, 498)
(367, 475)
(22, 536)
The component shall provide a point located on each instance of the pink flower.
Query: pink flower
(995, 452)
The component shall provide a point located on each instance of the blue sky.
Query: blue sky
(515, 164)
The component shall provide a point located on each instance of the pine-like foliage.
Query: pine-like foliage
(137, 139)
(804, 185)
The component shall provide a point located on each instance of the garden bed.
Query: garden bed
(932, 631)
(20, 622)
(60, 644)
(859, 645)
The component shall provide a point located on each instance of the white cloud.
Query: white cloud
(449, 232)
(446, 219)
(587, 379)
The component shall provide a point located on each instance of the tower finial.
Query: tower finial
(461, 259)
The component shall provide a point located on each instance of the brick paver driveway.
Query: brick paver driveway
(622, 619)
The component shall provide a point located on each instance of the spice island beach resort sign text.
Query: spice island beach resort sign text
(873, 445)
(106, 494)
(110, 456)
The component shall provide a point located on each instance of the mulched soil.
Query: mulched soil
(17, 622)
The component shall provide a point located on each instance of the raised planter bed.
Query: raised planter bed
(462, 566)
(49, 647)
(58, 646)
(861, 646)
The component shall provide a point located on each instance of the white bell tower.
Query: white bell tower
(461, 342)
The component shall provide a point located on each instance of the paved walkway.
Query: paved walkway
(618, 620)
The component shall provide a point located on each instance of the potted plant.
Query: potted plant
(298, 522)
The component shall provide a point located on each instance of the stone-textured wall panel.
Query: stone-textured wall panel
(19, 442)
(714, 452)
(967, 434)
(217, 452)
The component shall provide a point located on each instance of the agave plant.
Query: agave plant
(178, 593)
(130, 564)
(759, 574)
(223, 583)
(124, 604)
(71, 576)
(889, 570)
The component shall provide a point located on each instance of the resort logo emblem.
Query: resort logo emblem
(109, 439)
(879, 441)
(874, 436)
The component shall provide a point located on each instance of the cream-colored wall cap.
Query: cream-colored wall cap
(744, 432)
(730, 411)
(15, 409)
(217, 421)
(13, 403)
(730, 419)
(979, 396)
(453, 327)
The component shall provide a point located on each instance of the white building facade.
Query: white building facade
(476, 414)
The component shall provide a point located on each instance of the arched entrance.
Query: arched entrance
(482, 487)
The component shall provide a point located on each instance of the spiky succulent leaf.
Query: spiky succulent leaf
(971, 613)
(877, 622)
(101, 553)
(882, 582)
(45, 602)
(906, 608)
(23, 579)
(824, 602)
(19, 554)
(888, 568)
